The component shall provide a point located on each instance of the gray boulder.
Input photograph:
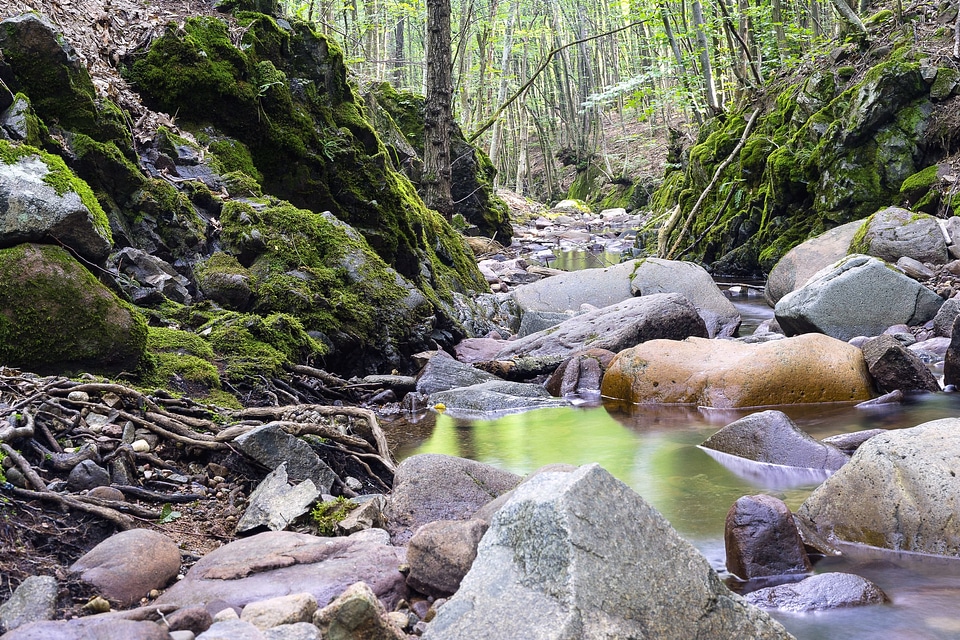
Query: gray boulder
(271, 446)
(807, 258)
(440, 553)
(614, 328)
(943, 321)
(819, 593)
(761, 539)
(430, 487)
(496, 397)
(151, 272)
(33, 601)
(859, 295)
(899, 491)
(95, 628)
(894, 232)
(567, 291)
(655, 275)
(265, 566)
(580, 555)
(894, 367)
(443, 372)
(772, 437)
(275, 504)
(356, 614)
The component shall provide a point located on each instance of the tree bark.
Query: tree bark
(438, 117)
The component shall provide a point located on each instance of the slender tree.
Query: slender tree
(438, 117)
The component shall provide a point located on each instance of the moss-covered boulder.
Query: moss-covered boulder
(55, 316)
(894, 232)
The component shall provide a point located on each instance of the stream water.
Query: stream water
(654, 450)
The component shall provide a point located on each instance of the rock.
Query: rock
(943, 321)
(772, 437)
(899, 491)
(270, 445)
(41, 200)
(296, 631)
(194, 619)
(726, 374)
(90, 628)
(429, 487)
(231, 630)
(819, 593)
(496, 397)
(894, 232)
(267, 564)
(368, 515)
(886, 400)
(951, 359)
(150, 271)
(655, 275)
(128, 565)
(761, 539)
(440, 553)
(264, 614)
(443, 372)
(914, 268)
(42, 290)
(894, 367)
(275, 505)
(567, 291)
(472, 350)
(225, 281)
(563, 558)
(107, 493)
(534, 321)
(850, 442)
(661, 316)
(581, 372)
(34, 600)
(87, 475)
(356, 615)
(858, 295)
(931, 350)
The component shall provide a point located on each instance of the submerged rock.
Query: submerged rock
(819, 593)
(495, 397)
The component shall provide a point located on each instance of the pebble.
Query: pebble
(78, 396)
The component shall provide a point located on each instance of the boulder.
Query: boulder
(614, 328)
(943, 321)
(568, 557)
(567, 291)
(727, 374)
(33, 601)
(266, 566)
(472, 350)
(894, 232)
(899, 491)
(271, 446)
(951, 358)
(772, 437)
(43, 290)
(127, 566)
(272, 612)
(90, 628)
(496, 397)
(819, 593)
(151, 272)
(41, 200)
(440, 553)
(655, 275)
(857, 296)
(429, 487)
(807, 258)
(443, 372)
(850, 442)
(356, 614)
(894, 367)
(581, 372)
(275, 505)
(761, 539)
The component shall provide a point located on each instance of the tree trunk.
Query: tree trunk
(437, 117)
(706, 68)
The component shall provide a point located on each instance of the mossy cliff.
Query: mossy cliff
(831, 148)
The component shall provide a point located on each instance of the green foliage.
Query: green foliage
(326, 515)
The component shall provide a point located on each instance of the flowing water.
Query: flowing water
(654, 450)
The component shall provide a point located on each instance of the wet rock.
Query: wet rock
(654, 275)
(761, 539)
(87, 475)
(894, 232)
(931, 350)
(496, 397)
(33, 601)
(819, 593)
(772, 437)
(661, 316)
(356, 615)
(443, 372)
(581, 372)
(726, 374)
(899, 491)
(850, 442)
(429, 487)
(87, 628)
(264, 614)
(275, 505)
(544, 569)
(951, 359)
(271, 446)
(265, 565)
(128, 565)
(440, 553)
(858, 295)
(896, 368)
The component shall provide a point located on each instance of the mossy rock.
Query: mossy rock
(225, 281)
(182, 360)
(56, 317)
(250, 347)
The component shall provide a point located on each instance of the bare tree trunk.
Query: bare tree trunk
(706, 68)
(849, 15)
(495, 134)
(437, 117)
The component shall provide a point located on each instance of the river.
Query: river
(654, 450)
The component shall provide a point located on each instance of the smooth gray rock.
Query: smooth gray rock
(655, 275)
(761, 539)
(819, 593)
(772, 437)
(265, 566)
(289, 609)
(943, 321)
(443, 372)
(626, 324)
(128, 565)
(496, 397)
(567, 291)
(896, 368)
(850, 442)
(534, 320)
(440, 553)
(270, 445)
(894, 232)
(430, 486)
(899, 491)
(90, 629)
(806, 259)
(231, 630)
(297, 631)
(87, 475)
(580, 555)
(275, 504)
(34, 600)
(857, 296)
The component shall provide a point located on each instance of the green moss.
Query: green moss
(921, 181)
(230, 155)
(326, 515)
(880, 17)
(252, 347)
(859, 243)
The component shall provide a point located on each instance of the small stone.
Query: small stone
(87, 475)
(140, 446)
(78, 396)
(97, 604)
(182, 635)
(34, 600)
(106, 493)
(226, 614)
(264, 614)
